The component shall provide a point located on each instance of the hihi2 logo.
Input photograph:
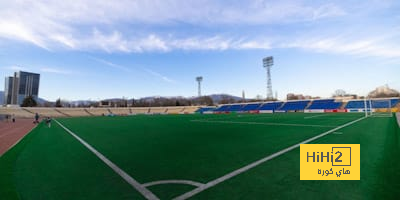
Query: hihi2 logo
(329, 161)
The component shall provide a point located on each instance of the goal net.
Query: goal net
(380, 107)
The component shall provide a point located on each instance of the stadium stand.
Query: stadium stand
(223, 108)
(139, 110)
(235, 107)
(295, 105)
(73, 112)
(251, 107)
(175, 110)
(158, 110)
(98, 111)
(271, 106)
(78, 112)
(359, 104)
(190, 109)
(325, 104)
(59, 111)
(385, 104)
(46, 112)
(120, 111)
(205, 109)
(18, 112)
(356, 104)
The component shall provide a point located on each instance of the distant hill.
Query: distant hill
(217, 98)
(42, 101)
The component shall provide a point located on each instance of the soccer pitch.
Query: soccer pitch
(235, 156)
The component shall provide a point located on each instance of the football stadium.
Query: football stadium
(248, 151)
(200, 115)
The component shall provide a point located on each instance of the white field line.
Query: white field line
(230, 117)
(315, 116)
(264, 123)
(337, 133)
(256, 163)
(186, 182)
(341, 118)
(139, 187)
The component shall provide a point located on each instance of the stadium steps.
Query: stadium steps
(280, 107)
(344, 104)
(28, 110)
(91, 114)
(309, 104)
(59, 111)
(18, 112)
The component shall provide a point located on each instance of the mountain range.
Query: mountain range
(215, 97)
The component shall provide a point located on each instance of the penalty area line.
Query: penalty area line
(135, 184)
(256, 163)
(264, 123)
(315, 116)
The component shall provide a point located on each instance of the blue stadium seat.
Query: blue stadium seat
(251, 106)
(205, 109)
(325, 104)
(375, 104)
(236, 107)
(223, 108)
(295, 105)
(271, 106)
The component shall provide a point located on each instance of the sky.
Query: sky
(93, 50)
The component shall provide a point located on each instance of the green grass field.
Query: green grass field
(49, 163)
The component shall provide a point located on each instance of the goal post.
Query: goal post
(380, 107)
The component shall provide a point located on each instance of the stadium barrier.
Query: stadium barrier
(266, 111)
(222, 112)
(314, 111)
(359, 110)
(254, 111)
(335, 110)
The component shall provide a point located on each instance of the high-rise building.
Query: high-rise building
(21, 85)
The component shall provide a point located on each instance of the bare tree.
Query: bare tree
(339, 93)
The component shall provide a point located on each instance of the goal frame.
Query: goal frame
(378, 112)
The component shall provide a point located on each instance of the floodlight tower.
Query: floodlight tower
(267, 64)
(199, 79)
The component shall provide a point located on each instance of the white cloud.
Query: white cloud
(50, 24)
(374, 46)
(133, 26)
(162, 77)
(110, 64)
(126, 69)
